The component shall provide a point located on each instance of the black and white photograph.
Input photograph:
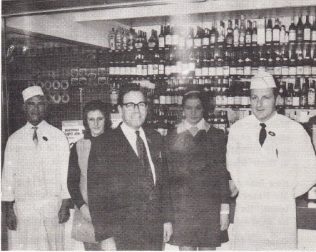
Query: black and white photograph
(158, 125)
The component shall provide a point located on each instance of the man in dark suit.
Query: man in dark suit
(127, 182)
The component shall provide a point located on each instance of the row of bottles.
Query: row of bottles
(231, 33)
(298, 59)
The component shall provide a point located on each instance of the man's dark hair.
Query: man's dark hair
(129, 88)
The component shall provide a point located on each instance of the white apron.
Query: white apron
(37, 211)
(265, 216)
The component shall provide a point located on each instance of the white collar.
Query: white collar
(40, 125)
(130, 131)
(184, 125)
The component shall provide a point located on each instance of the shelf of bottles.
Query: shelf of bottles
(220, 61)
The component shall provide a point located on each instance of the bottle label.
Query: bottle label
(247, 70)
(150, 69)
(168, 40)
(128, 70)
(307, 34)
(192, 66)
(230, 100)
(161, 69)
(226, 70)
(254, 70)
(205, 41)
(299, 70)
(168, 70)
(211, 71)
(237, 100)
(262, 68)
(307, 70)
(292, 36)
(139, 70)
(179, 67)
(133, 71)
(278, 70)
(292, 70)
(248, 39)
(224, 100)
(162, 99)
(155, 69)
(254, 38)
(285, 70)
(268, 35)
(313, 36)
(240, 70)
(233, 70)
(212, 39)
(197, 42)
(219, 71)
(205, 71)
(122, 71)
(161, 42)
(198, 71)
(244, 100)
(218, 100)
(289, 101)
(174, 69)
(116, 70)
(270, 70)
(276, 35)
(168, 99)
(111, 70)
(296, 101)
(313, 70)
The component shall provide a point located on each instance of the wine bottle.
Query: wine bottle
(311, 94)
(300, 30)
(230, 35)
(236, 33)
(254, 37)
(276, 32)
(296, 93)
(242, 31)
(304, 93)
(292, 32)
(248, 35)
(269, 32)
(112, 39)
(161, 38)
(307, 30)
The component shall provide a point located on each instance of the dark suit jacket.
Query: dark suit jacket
(117, 199)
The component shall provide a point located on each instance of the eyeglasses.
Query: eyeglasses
(132, 105)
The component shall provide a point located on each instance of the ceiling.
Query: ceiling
(10, 7)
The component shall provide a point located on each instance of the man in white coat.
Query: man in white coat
(271, 161)
(34, 180)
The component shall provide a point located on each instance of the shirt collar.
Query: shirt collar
(127, 130)
(40, 125)
(184, 125)
(271, 120)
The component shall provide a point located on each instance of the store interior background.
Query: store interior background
(82, 28)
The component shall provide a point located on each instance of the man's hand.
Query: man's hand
(11, 220)
(167, 231)
(64, 213)
(84, 209)
(224, 221)
(108, 244)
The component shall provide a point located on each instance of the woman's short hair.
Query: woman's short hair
(92, 106)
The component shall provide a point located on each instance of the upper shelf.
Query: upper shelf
(164, 8)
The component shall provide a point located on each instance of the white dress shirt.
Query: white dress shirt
(130, 134)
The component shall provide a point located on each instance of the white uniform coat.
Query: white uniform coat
(35, 177)
(269, 178)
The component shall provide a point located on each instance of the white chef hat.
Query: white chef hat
(262, 80)
(31, 91)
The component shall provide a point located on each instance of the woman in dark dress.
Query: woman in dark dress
(198, 178)
(96, 120)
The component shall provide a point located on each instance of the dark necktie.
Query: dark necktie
(263, 133)
(142, 153)
(35, 138)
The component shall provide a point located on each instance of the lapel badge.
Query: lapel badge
(271, 133)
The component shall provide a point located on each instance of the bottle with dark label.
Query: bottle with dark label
(289, 96)
(292, 32)
(248, 35)
(304, 93)
(276, 32)
(280, 101)
(307, 30)
(296, 93)
(230, 35)
(269, 32)
(300, 30)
